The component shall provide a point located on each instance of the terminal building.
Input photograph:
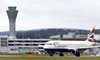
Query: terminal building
(10, 44)
(20, 45)
(74, 37)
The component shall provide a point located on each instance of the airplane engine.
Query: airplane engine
(76, 52)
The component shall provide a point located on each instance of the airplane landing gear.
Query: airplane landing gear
(50, 53)
(61, 54)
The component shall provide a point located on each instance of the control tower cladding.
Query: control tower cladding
(12, 14)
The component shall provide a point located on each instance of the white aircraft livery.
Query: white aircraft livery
(71, 46)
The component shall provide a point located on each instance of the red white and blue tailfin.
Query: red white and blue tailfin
(90, 37)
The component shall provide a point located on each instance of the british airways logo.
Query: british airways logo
(92, 36)
(90, 40)
(55, 43)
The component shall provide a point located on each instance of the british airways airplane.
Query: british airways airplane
(71, 46)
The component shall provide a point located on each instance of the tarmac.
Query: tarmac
(41, 56)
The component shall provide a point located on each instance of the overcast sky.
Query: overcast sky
(38, 14)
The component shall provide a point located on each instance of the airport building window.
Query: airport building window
(40, 47)
(41, 44)
(4, 41)
(10, 41)
(28, 41)
(19, 41)
(35, 44)
(3, 45)
(26, 44)
(18, 44)
(13, 49)
(10, 44)
(3, 38)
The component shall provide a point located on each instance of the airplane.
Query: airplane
(51, 47)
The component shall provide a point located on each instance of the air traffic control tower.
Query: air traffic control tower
(12, 14)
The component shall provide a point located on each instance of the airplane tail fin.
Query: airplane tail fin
(90, 37)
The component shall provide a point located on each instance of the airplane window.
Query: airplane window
(48, 44)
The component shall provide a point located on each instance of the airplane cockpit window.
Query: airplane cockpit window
(48, 44)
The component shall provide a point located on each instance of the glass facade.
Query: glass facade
(3, 42)
(12, 8)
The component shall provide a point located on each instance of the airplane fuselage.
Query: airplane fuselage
(67, 45)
